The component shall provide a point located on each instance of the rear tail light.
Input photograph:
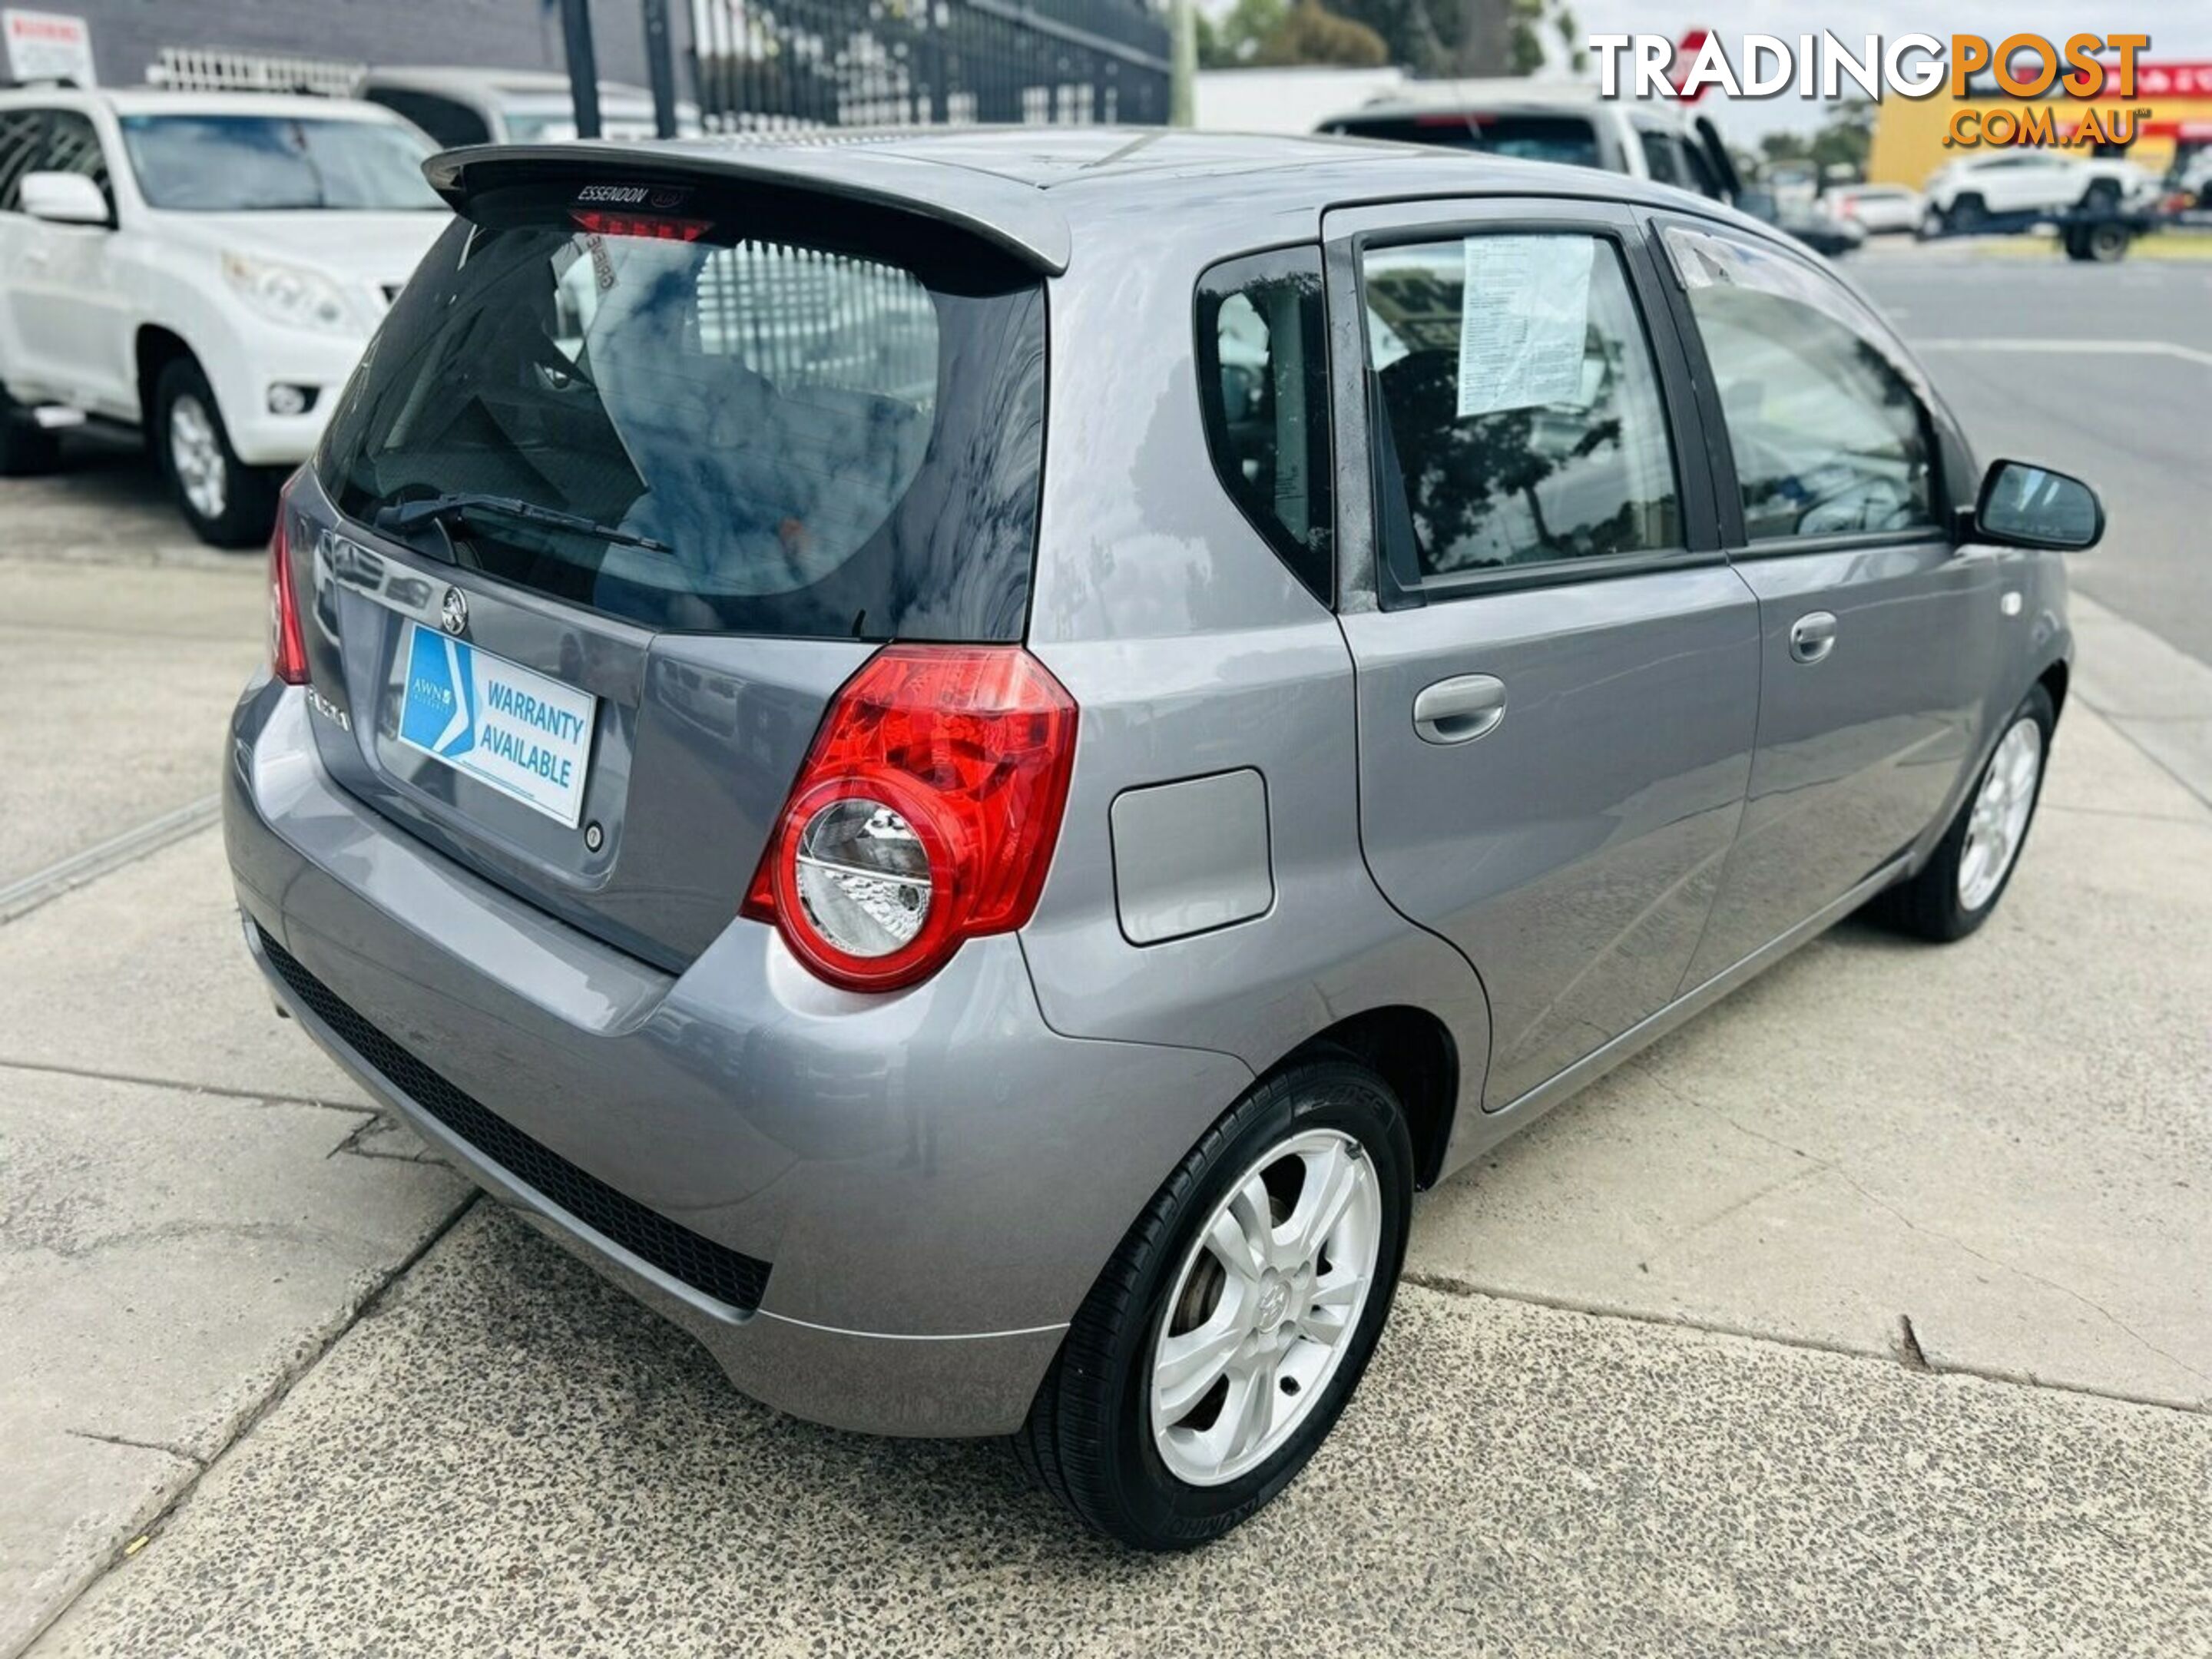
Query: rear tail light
(288, 647)
(926, 814)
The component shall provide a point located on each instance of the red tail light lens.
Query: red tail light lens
(925, 814)
(288, 647)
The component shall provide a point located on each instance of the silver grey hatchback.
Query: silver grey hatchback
(964, 758)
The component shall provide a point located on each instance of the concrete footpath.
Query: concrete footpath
(1871, 1312)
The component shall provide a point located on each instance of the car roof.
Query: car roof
(169, 100)
(493, 83)
(1020, 187)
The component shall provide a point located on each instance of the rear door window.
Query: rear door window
(1521, 420)
(1263, 388)
(730, 415)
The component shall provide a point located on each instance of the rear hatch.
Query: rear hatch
(636, 474)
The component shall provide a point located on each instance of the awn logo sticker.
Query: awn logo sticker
(524, 734)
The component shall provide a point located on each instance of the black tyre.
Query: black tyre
(26, 449)
(1966, 214)
(1971, 867)
(2104, 244)
(1192, 1385)
(226, 502)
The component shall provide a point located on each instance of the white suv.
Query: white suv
(206, 266)
(1970, 191)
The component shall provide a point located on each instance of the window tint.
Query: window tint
(1828, 437)
(1661, 156)
(1555, 444)
(759, 417)
(1567, 139)
(20, 130)
(72, 146)
(1263, 388)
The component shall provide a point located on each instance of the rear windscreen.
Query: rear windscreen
(710, 411)
(1567, 139)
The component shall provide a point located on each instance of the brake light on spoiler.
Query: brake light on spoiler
(657, 226)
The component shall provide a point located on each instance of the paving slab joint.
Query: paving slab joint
(366, 1307)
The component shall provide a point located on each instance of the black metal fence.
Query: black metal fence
(777, 64)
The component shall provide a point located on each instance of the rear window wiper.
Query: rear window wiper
(445, 511)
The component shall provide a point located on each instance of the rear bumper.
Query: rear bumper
(929, 1182)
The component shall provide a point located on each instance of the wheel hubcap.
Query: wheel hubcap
(1998, 822)
(1264, 1305)
(195, 456)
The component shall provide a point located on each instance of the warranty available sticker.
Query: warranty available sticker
(525, 734)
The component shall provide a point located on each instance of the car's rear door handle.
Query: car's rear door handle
(1459, 710)
(1813, 635)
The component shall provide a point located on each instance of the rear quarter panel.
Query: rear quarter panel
(1191, 650)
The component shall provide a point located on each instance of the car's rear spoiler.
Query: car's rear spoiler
(1011, 216)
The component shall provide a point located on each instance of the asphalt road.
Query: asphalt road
(2101, 370)
(1871, 1312)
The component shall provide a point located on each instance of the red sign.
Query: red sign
(2156, 80)
(1685, 55)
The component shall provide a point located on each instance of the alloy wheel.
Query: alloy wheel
(2000, 810)
(1263, 1307)
(197, 458)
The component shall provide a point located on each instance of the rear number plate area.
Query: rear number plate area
(510, 728)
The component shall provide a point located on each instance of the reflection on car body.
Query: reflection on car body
(1071, 840)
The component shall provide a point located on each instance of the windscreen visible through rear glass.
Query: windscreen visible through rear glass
(1568, 138)
(706, 419)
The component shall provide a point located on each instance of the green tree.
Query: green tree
(1310, 33)
(1276, 34)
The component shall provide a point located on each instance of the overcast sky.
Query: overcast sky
(2178, 29)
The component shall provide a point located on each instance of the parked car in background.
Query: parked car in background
(2190, 175)
(722, 776)
(1795, 183)
(1970, 191)
(1537, 121)
(1807, 218)
(202, 266)
(1878, 209)
(510, 106)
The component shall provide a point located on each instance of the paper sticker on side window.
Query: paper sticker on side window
(1524, 321)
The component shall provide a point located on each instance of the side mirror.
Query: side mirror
(65, 199)
(2026, 506)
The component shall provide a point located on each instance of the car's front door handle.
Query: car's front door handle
(1813, 635)
(1459, 710)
